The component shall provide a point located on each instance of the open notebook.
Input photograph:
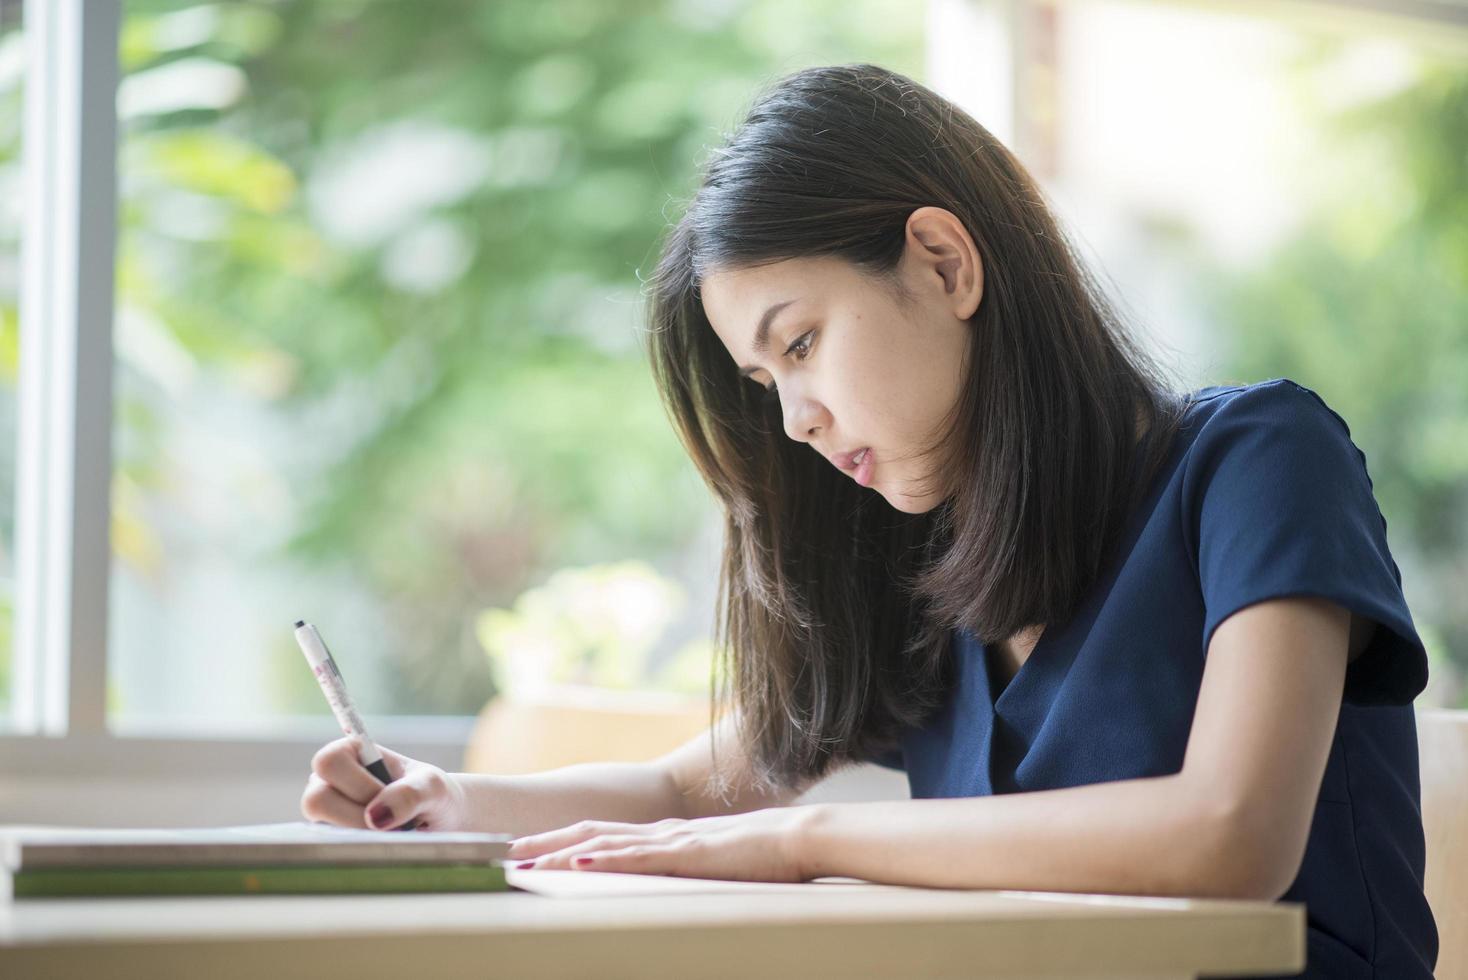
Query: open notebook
(607, 884)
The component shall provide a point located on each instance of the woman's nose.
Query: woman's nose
(802, 414)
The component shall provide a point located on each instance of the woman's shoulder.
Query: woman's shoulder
(1279, 408)
(1278, 394)
(1269, 437)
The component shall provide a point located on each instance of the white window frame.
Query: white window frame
(64, 456)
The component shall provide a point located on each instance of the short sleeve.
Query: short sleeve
(1281, 504)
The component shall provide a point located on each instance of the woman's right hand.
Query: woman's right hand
(341, 791)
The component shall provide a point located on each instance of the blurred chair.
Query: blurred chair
(567, 725)
(1442, 740)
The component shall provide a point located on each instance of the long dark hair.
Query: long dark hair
(835, 611)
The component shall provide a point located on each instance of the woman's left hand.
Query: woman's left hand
(762, 845)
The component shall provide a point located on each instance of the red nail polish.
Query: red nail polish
(583, 860)
(380, 816)
(524, 864)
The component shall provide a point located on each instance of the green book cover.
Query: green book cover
(278, 880)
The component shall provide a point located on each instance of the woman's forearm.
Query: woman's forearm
(632, 792)
(1155, 836)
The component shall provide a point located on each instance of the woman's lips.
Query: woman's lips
(858, 463)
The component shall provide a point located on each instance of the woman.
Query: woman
(1121, 640)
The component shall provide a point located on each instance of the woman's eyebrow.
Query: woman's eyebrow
(762, 335)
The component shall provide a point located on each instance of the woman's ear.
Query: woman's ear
(940, 253)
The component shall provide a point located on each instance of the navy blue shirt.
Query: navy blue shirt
(1263, 495)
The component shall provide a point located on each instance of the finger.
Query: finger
(321, 801)
(564, 859)
(534, 845)
(639, 859)
(401, 800)
(338, 763)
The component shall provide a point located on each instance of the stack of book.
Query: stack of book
(282, 858)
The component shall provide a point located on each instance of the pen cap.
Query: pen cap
(312, 646)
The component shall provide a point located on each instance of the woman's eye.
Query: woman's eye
(802, 343)
(801, 348)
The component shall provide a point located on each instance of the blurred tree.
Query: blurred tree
(1368, 304)
(411, 234)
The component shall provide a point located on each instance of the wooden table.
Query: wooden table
(829, 928)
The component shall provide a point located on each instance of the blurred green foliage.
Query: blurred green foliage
(413, 233)
(1367, 303)
(593, 626)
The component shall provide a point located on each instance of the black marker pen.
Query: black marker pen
(335, 689)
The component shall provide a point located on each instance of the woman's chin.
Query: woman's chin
(909, 503)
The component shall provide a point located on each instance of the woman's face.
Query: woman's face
(853, 367)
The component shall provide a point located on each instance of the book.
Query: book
(264, 858)
(30, 847)
(298, 879)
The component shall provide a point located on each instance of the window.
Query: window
(376, 331)
(343, 337)
(374, 288)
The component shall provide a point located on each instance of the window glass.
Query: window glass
(377, 359)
